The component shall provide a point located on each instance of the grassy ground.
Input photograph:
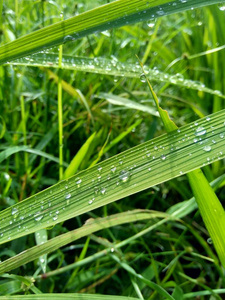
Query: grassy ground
(177, 253)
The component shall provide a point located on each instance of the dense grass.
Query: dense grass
(177, 254)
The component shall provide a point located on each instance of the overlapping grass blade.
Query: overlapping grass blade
(136, 169)
(89, 227)
(111, 67)
(63, 296)
(115, 14)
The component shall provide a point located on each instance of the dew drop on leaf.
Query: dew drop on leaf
(200, 131)
(68, 196)
(207, 148)
(124, 176)
(163, 157)
(142, 77)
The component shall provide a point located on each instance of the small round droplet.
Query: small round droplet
(142, 77)
(99, 169)
(207, 148)
(14, 211)
(163, 157)
(55, 218)
(209, 241)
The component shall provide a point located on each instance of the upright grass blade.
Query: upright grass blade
(136, 169)
(115, 14)
(209, 205)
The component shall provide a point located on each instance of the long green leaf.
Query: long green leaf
(111, 67)
(91, 226)
(115, 14)
(163, 158)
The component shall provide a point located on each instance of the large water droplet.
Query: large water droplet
(142, 77)
(163, 157)
(15, 212)
(68, 196)
(124, 176)
(78, 182)
(200, 131)
(38, 217)
(207, 148)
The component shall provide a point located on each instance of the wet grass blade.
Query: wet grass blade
(136, 169)
(209, 205)
(115, 14)
(112, 67)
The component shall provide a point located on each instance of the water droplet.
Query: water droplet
(221, 135)
(99, 169)
(207, 148)
(90, 201)
(163, 157)
(148, 154)
(78, 182)
(68, 196)
(221, 7)
(68, 38)
(112, 249)
(38, 217)
(15, 212)
(200, 131)
(209, 241)
(149, 169)
(124, 176)
(102, 191)
(55, 218)
(208, 119)
(150, 24)
(142, 77)
(113, 169)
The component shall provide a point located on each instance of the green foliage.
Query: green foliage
(152, 244)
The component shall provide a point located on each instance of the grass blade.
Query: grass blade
(136, 169)
(115, 14)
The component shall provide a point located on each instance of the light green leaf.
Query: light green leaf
(158, 160)
(114, 14)
(78, 158)
(111, 67)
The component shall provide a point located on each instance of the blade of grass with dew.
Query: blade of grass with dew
(105, 66)
(129, 172)
(91, 226)
(76, 161)
(209, 205)
(114, 14)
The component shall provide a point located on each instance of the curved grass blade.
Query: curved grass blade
(115, 14)
(69, 296)
(12, 150)
(158, 160)
(89, 227)
(109, 67)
